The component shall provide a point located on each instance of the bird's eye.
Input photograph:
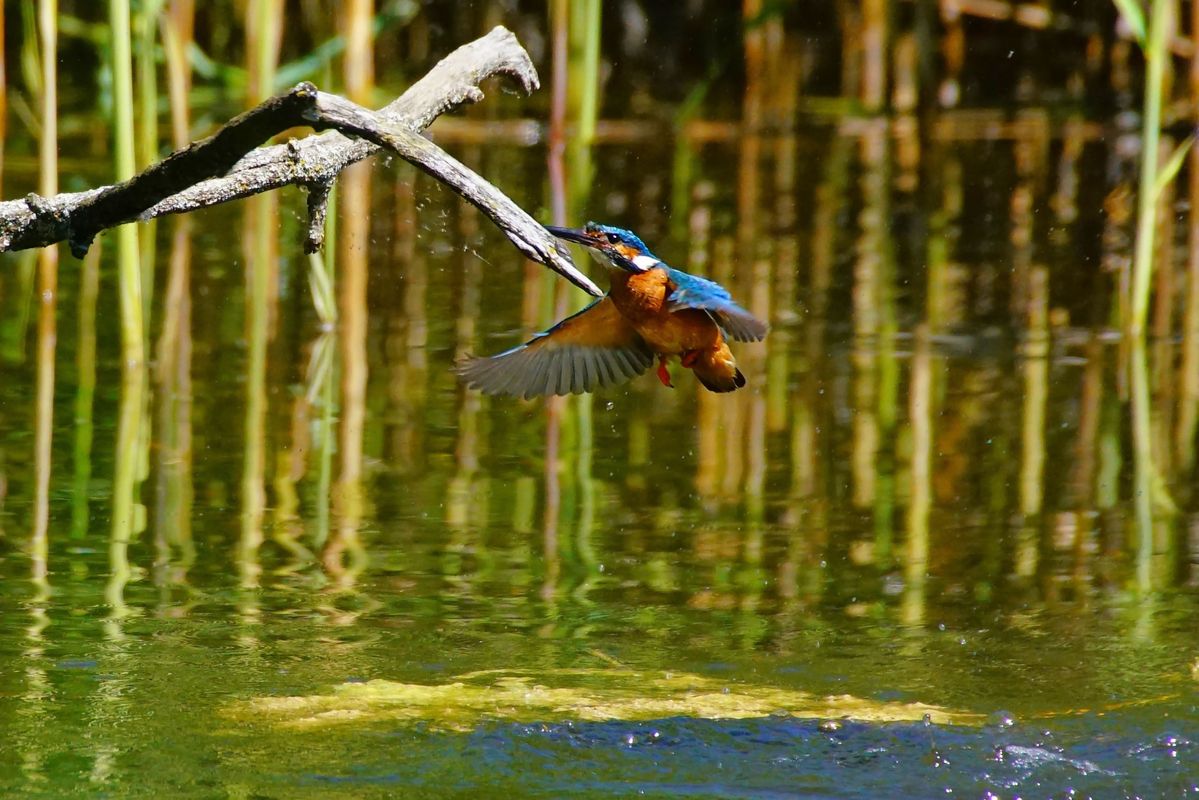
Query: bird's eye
(613, 238)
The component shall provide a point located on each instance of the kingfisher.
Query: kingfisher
(651, 311)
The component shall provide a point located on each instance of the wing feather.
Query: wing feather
(593, 348)
(604, 373)
(626, 365)
(537, 382)
(564, 365)
(587, 359)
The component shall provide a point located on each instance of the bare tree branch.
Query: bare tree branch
(228, 165)
(529, 237)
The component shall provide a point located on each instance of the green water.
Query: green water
(769, 539)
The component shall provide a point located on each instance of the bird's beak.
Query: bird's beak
(576, 235)
(560, 262)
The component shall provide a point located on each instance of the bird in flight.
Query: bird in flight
(651, 311)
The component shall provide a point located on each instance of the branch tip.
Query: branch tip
(318, 210)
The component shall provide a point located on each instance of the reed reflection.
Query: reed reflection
(1032, 450)
(569, 429)
(128, 513)
(409, 335)
(1188, 369)
(344, 556)
(85, 391)
(260, 252)
(175, 549)
(466, 499)
(47, 284)
(942, 426)
(321, 394)
(1019, 440)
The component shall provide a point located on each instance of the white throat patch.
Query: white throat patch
(644, 263)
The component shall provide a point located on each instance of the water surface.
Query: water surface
(926, 494)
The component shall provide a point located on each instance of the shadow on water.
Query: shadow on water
(949, 481)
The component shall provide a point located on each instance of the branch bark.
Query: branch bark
(229, 164)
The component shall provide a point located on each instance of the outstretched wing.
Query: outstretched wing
(593, 348)
(692, 291)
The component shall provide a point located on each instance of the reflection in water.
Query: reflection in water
(1032, 447)
(344, 555)
(85, 364)
(941, 484)
(128, 514)
(260, 225)
(175, 549)
(47, 290)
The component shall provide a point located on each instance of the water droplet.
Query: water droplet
(1002, 719)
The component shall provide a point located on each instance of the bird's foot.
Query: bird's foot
(689, 358)
(663, 373)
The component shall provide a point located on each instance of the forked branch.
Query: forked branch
(229, 164)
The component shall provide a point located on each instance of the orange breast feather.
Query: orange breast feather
(640, 295)
(642, 299)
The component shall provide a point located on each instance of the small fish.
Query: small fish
(650, 311)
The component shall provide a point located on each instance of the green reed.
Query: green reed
(583, 88)
(1156, 43)
(344, 555)
(583, 104)
(146, 25)
(128, 260)
(178, 31)
(47, 12)
(261, 212)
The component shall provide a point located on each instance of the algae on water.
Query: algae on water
(577, 694)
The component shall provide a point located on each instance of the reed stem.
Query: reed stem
(177, 30)
(47, 290)
(147, 135)
(128, 261)
(583, 90)
(1156, 43)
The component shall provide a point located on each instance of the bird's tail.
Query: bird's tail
(717, 370)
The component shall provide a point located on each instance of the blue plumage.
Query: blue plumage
(626, 237)
(692, 291)
(625, 250)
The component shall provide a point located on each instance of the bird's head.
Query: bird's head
(612, 247)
